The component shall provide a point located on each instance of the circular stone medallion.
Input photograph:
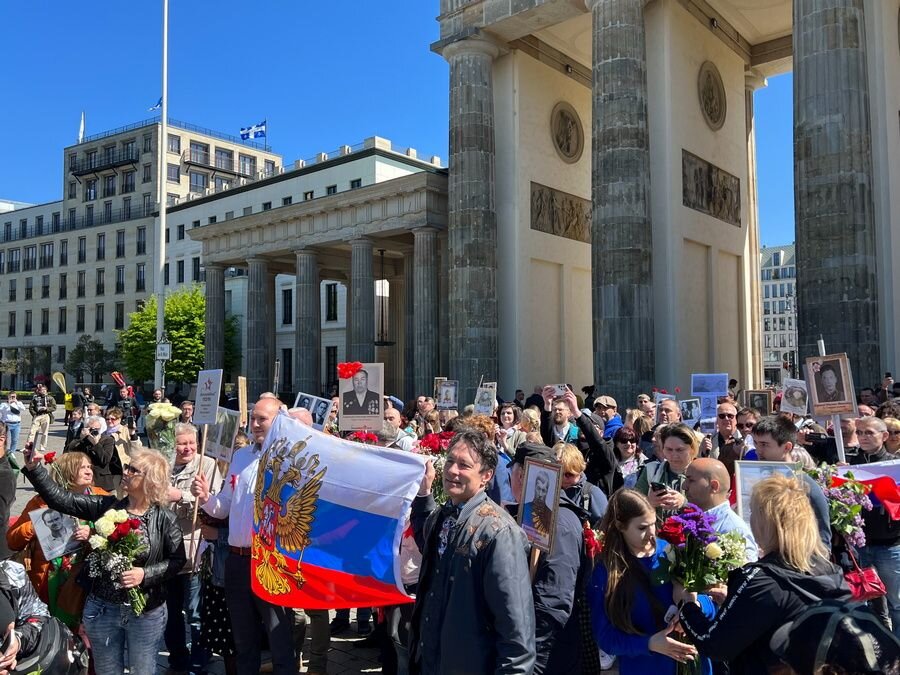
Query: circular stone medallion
(712, 95)
(566, 132)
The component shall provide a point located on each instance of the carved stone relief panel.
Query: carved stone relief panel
(557, 212)
(567, 132)
(712, 95)
(710, 190)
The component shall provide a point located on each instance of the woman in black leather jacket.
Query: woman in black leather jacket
(109, 619)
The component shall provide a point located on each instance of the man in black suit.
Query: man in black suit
(361, 401)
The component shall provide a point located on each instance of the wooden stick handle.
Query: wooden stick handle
(197, 501)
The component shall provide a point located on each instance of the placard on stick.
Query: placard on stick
(242, 399)
(209, 387)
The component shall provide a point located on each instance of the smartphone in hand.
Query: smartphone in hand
(659, 487)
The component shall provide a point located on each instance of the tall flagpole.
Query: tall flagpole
(159, 286)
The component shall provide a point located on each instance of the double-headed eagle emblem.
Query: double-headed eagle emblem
(284, 525)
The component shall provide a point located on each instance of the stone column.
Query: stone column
(472, 238)
(362, 302)
(837, 289)
(214, 340)
(307, 323)
(443, 319)
(257, 328)
(409, 332)
(621, 233)
(425, 290)
(271, 304)
(752, 82)
(396, 315)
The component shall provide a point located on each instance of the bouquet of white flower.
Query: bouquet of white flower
(161, 418)
(114, 549)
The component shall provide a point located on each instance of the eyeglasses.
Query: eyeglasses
(726, 416)
(895, 433)
(746, 425)
(114, 419)
(131, 471)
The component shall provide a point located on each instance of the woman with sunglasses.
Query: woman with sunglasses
(892, 444)
(101, 448)
(109, 620)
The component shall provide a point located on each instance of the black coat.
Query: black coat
(760, 601)
(166, 557)
(7, 497)
(104, 460)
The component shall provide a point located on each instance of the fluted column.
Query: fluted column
(409, 332)
(214, 339)
(257, 328)
(362, 301)
(837, 289)
(621, 235)
(307, 323)
(426, 273)
(271, 304)
(752, 82)
(443, 319)
(472, 238)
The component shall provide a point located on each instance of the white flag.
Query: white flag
(81, 129)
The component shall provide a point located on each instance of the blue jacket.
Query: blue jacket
(635, 657)
(612, 426)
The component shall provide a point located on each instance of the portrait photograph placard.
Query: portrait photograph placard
(362, 398)
(55, 532)
(747, 474)
(690, 411)
(709, 384)
(540, 504)
(659, 397)
(220, 437)
(484, 401)
(830, 385)
(448, 395)
(318, 407)
(794, 397)
(438, 381)
(759, 399)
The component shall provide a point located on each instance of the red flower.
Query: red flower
(672, 532)
(663, 391)
(363, 437)
(349, 369)
(592, 546)
(654, 390)
(437, 443)
(677, 390)
(135, 523)
(233, 480)
(49, 457)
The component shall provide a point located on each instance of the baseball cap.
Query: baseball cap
(535, 451)
(838, 634)
(606, 402)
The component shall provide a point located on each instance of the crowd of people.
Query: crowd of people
(486, 598)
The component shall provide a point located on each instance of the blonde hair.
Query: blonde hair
(632, 415)
(155, 470)
(65, 469)
(642, 425)
(782, 521)
(801, 456)
(531, 420)
(570, 457)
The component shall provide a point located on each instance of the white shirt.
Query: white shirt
(237, 500)
(11, 413)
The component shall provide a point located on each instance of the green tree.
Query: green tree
(91, 357)
(185, 319)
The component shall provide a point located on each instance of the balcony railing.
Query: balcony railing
(82, 222)
(105, 160)
(204, 159)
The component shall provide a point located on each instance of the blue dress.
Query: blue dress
(635, 657)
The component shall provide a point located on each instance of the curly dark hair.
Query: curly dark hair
(478, 444)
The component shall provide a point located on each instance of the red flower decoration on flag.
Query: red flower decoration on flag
(49, 457)
(349, 369)
(663, 391)
(233, 480)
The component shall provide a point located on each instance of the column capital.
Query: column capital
(754, 80)
(471, 45)
(425, 229)
(361, 241)
(306, 252)
(590, 4)
(214, 266)
(257, 260)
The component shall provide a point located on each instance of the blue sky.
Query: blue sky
(322, 74)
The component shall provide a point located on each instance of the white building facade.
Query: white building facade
(778, 281)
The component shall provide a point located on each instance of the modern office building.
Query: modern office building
(778, 281)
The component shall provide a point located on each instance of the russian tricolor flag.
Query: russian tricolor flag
(882, 478)
(329, 518)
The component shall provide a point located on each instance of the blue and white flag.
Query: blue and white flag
(256, 131)
(157, 106)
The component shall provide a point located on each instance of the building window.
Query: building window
(12, 325)
(73, 190)
(229, 215)
(2, 262)
(211, 220)
(64, 252)
(120, 243)
(12, 290)
(109, 153)
(120, 278)
(109, 186)
(46, 259)
(287, 365)
(45, 321)
(248, 210)
(140, 283)
(79, 319)
(29, 258)
(120, 315)
(222, 183)
(128, 182)
(331, 190)
(307, 195)
(196, 223)
(61, 320)
(63, 286)
(101, 282)
(82, 249)
(199, 181)
(13, 260)
(287, 306)
(174, 143)
(89, 215)
(148, 173)
(39, 226)
(107, 212)
(23, 228)
(247, 165)
(355, 183)
(101, 246)
(45, 286)
(179, 232)
(90, 189)
(27, 322)
(331, 302)
(331, 361)
(29, 288)
(195, 269)
(7, 231)
(166, 274)
(126, 208)
(224, 159)
(179, 272)
(173, 173)
(266, 206)
(141, 241)
(128, 147)
(199, 153)
(54, 222)
(148, 203)
(79, 284)
(287, 201)
(61, 354)
(147, 143)
(73, 161)
(98, 318)
(270, 171)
